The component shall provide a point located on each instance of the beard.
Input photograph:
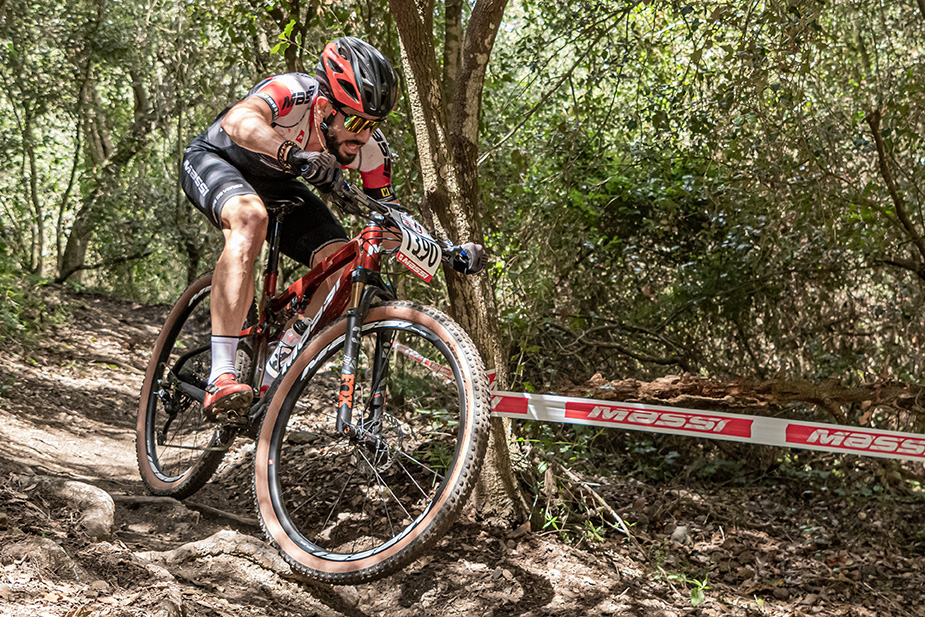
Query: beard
(333, 146)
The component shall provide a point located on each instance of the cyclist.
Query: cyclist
(287, 126)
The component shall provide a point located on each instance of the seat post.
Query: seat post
(272, 271)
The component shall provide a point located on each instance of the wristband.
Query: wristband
(282, 155)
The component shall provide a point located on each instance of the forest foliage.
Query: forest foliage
(722, 188)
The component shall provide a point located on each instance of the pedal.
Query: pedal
(233, 417)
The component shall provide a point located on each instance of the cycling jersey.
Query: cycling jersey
(291, 98)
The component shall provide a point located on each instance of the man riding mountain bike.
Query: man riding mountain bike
(287, 126)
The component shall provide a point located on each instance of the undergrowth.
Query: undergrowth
(581, 478)
(30, 306)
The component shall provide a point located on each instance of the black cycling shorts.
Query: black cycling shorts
(209, 181)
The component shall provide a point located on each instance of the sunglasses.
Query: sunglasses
(358, 124)
(355, 124)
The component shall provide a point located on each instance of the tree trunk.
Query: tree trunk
(452, 49)
(106, 177)
(75, 250)
(36, 261)
(448, 149)
(65, 201)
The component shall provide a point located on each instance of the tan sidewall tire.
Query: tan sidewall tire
(461, 477)
(192, 480)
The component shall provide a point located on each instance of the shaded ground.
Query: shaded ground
(829, 540)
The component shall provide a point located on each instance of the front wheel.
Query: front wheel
(178, 447)
(351, 510)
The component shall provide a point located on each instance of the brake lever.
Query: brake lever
(452, 251)
(345, 198)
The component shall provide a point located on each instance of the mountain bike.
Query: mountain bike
(371, 438)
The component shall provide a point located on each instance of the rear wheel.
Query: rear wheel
(178, 447)
(347, 511)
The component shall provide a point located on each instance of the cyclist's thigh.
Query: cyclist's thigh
(308, 229)
(209, 181)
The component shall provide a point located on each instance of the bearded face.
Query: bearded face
(340, 142)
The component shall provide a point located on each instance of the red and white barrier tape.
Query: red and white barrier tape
(698, 423)
(443, 371)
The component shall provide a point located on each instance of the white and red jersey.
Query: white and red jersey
(291, 97)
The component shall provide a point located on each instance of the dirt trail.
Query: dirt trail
(67, 411)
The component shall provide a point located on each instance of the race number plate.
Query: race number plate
(419, 252)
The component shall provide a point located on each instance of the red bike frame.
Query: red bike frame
(358, 262)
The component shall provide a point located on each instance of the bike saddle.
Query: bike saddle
(277, 207)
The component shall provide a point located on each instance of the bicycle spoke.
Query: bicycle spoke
(419, 487)
(382, 482)
(362, 512)
(421, 465)
(336, 501)
(178, 447)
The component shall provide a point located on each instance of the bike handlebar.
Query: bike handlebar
(352, 200)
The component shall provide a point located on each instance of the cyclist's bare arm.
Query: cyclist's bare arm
(248, 124)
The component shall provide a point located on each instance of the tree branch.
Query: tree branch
(452, 51)
(916, 267)
(558, 84)
(873, 120)
(621, 349)
(479, 40)
(103, 264)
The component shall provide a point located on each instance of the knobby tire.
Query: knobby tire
(346, 512)
(179, 461)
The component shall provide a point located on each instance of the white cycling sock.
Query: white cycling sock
(224, 351)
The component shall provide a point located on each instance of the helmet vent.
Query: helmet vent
(349, 89)
(333, 67)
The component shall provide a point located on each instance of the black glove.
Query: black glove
(319, 168)
(473, 259)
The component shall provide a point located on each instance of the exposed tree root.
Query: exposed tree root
(199, 507)
(224, 542)
(94, 505)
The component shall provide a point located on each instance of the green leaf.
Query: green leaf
(697, 596)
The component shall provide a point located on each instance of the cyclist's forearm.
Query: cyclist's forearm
(248, 125)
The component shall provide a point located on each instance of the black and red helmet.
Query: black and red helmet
(356, 75)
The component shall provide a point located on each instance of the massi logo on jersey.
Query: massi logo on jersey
(641, 417)
(863, 441)
(296, 98)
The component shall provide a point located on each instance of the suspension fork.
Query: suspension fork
(361, 298)
(380, 377)
(355, 319)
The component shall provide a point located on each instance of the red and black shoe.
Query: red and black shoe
(227, 399)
